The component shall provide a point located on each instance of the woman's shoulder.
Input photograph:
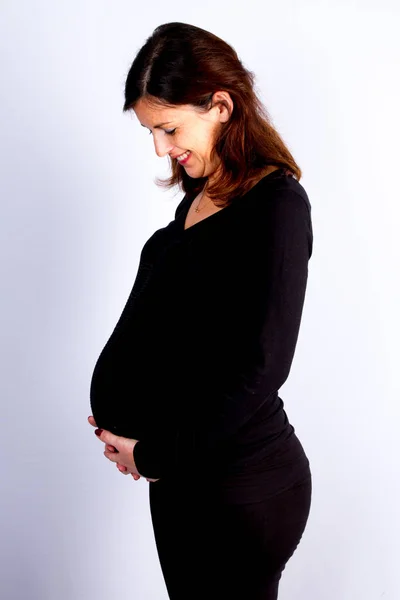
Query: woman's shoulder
(280, 189)
(276, 208)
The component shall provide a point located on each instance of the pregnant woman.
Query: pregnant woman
(185, 393)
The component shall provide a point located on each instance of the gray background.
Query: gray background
(78, 201)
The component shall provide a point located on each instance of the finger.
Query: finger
(122, 469)
(92, 421)
(125, 471)
(111, 448)
(105, 434)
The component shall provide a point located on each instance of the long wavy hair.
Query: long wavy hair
(184, 64)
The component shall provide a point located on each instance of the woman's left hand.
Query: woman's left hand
(123, 453)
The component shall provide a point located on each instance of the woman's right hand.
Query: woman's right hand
(111, 448)
(124, 469)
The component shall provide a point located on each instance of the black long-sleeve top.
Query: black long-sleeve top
(207, 337)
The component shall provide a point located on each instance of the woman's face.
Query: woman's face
(181, 129)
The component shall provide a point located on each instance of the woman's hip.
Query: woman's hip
(200, 537)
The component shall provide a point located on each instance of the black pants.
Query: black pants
(215, 550)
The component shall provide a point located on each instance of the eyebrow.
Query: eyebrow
(159, 125)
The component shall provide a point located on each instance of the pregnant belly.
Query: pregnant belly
(131, 391)
(119, 393)
(138, 378)
(120, 419)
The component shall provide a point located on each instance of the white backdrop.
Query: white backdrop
(78, 201)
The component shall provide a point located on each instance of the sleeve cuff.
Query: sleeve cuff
(147, 462)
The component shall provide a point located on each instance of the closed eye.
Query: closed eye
(172, 132)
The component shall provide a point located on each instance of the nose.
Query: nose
(162, 147)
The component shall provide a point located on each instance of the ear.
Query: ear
(224, 103)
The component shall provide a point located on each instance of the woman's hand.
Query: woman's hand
(122, 446)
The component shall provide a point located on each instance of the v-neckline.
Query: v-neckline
(185, 209)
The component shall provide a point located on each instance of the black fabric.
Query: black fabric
(225, 550)
(206, 339)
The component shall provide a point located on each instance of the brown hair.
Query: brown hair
(184, 64)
